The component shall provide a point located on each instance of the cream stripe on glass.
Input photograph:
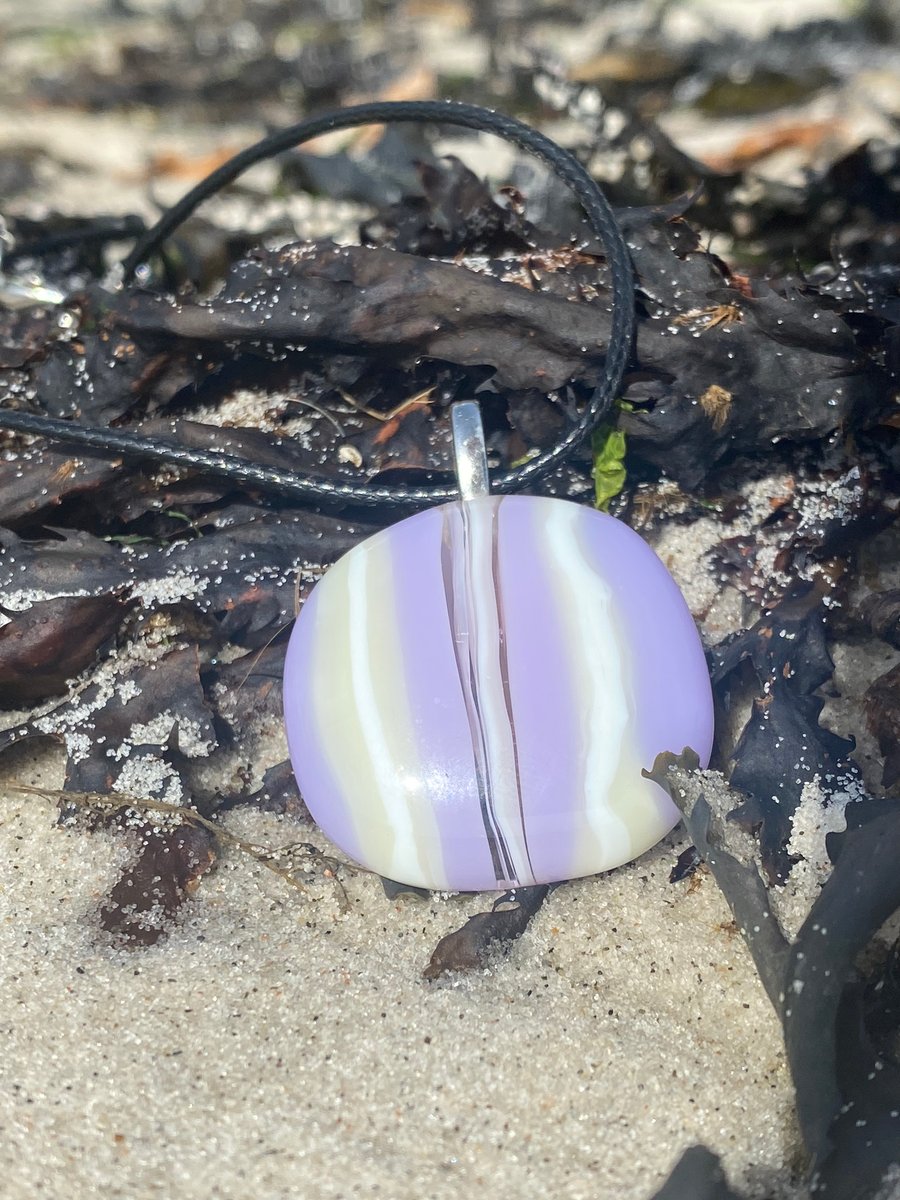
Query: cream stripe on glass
(394, 758)
(596, 671)
(337, 717)
(631, 797)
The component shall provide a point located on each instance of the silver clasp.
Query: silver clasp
(469, 454)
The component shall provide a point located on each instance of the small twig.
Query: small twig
(420, 399)
(261, 651)
(265, 855)
(304, 402)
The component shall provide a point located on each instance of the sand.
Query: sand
(276, 1045)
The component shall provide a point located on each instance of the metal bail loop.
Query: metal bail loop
(468, 450)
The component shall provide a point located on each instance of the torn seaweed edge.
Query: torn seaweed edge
(847, 1096)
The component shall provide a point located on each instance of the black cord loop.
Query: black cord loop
(325, 491)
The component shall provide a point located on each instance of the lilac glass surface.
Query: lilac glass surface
(471, 695)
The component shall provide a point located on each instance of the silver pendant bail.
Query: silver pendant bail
(470, 456)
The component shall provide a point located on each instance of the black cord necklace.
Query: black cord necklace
(563, 164)
(470, 695)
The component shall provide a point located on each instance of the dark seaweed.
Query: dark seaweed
(881, 612)
(882, 702)
(686, 864)
(478, 941)
(166, 869)
(42, 648)
(848, 1094)
(783, 746)
(698, 1175)
(847, 1086)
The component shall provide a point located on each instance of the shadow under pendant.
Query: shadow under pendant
(472, 693)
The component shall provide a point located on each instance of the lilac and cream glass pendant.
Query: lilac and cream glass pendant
(471, 694)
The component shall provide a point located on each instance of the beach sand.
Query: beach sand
(276, 1045)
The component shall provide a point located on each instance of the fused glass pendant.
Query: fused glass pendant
(471, 694)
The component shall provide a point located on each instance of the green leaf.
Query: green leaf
(608, 446)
